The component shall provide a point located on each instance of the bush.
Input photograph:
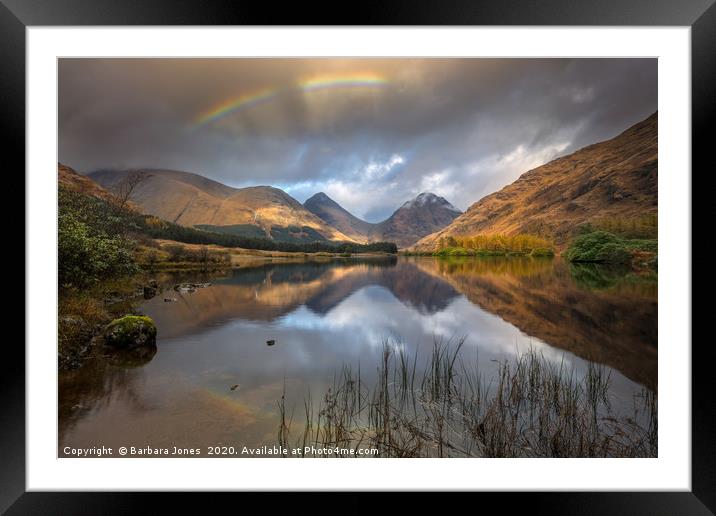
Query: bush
(604, 247)
(86, 255)
(613, 252)
(586, 247)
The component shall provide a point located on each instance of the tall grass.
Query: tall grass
(529, 408)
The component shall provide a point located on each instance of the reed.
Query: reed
(529, 408)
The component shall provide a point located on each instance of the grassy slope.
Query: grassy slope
(190, 199)
(616, 178)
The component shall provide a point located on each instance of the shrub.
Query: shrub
(604, 247)
(586, 247)
(613, 252)
(86, 255)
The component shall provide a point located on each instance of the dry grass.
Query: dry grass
(79, 317)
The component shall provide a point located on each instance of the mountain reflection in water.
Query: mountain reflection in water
(324, 315)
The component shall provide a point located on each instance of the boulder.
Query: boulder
(131, 331)
(149, 291)
(190, 287)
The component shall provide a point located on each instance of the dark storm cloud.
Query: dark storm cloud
(461, 128)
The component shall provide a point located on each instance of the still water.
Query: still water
(214, 381)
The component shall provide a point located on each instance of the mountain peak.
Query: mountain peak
(334, 214)
(319, 197)
(429, 198)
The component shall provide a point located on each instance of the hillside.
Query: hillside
(75, 182)
(616, 179)
(334, 214)
(193, 200)
(415, 219)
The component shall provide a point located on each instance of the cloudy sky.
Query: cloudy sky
(371, 133)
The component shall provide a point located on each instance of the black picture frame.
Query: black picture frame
(17, 15)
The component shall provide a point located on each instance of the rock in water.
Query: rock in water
(131, 331)
(149, 291)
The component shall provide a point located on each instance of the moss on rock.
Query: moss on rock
(131, 331)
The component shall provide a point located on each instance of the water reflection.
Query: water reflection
(323, 315)
(598, 313)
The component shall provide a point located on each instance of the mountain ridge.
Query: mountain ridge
(615, 178)
(193, 200)
(414, 219)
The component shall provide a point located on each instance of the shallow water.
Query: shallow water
(325, 315)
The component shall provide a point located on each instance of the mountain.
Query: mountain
(334, 214)
(616, 178)
(421, 216)
(193, 200)
(415, 219)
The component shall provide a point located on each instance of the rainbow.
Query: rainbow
(241, 102)
(350, 80)
(309, 84)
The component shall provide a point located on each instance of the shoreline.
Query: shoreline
(242, 256)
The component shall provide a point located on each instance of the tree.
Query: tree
(122, 191)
